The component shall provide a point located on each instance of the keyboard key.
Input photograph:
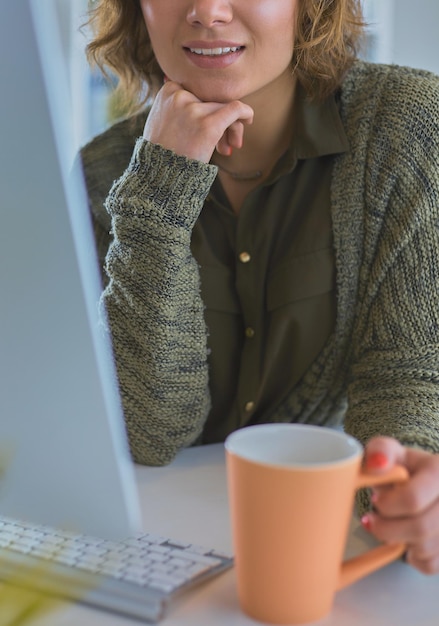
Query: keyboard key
(178, 544)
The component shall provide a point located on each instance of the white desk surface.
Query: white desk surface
(188, 500)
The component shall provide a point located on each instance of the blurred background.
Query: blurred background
(400, 31)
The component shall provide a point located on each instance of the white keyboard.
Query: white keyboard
(136, 577)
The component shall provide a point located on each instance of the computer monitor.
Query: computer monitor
(63, 449)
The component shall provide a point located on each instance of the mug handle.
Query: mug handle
(364, 564)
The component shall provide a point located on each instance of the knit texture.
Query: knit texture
(379, 372)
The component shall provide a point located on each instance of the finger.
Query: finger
(414, 529)
(424, 550)
(424, 558)
(235, 134)
(418, 494)
(382, 453)
(240, 111)
(223, 147)
(232, 138)
(429, 566)
(169, 86)
(225, 116)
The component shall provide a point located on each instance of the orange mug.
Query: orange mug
(291, 492)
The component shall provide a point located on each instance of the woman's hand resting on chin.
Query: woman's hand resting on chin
(180, 122)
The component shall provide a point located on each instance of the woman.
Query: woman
(274, 244)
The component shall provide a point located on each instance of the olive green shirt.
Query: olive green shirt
(268, 275)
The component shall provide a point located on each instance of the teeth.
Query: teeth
(214, 51)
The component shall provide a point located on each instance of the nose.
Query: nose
(209, 13)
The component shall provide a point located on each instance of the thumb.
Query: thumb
(382, 453)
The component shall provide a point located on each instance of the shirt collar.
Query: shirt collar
(318, 129)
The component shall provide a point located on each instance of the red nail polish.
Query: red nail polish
(365, 522)
(377, 460)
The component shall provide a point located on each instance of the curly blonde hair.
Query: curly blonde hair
(327, 37)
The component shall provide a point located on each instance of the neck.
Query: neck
(266, 139)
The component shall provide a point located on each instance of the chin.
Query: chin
(209, 92)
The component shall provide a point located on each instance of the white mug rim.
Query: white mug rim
(235, 438)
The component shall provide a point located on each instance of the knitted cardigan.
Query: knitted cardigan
(379, 371)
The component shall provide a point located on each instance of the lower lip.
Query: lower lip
(213, 62)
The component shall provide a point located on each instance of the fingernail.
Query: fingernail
(365, 522)
(374, 497)
(377, 460)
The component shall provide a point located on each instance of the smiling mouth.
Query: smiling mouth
(215, 52)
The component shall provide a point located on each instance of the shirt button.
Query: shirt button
(244, 257)
(249, 406)
(249, 332)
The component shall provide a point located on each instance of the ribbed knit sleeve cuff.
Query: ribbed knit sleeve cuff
(162, 185)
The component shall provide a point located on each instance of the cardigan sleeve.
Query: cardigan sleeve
(152, 301)
(394, 388)
(394, 382)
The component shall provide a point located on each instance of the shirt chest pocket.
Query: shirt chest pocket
(301, 278)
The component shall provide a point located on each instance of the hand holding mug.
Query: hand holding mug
(407, 512)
